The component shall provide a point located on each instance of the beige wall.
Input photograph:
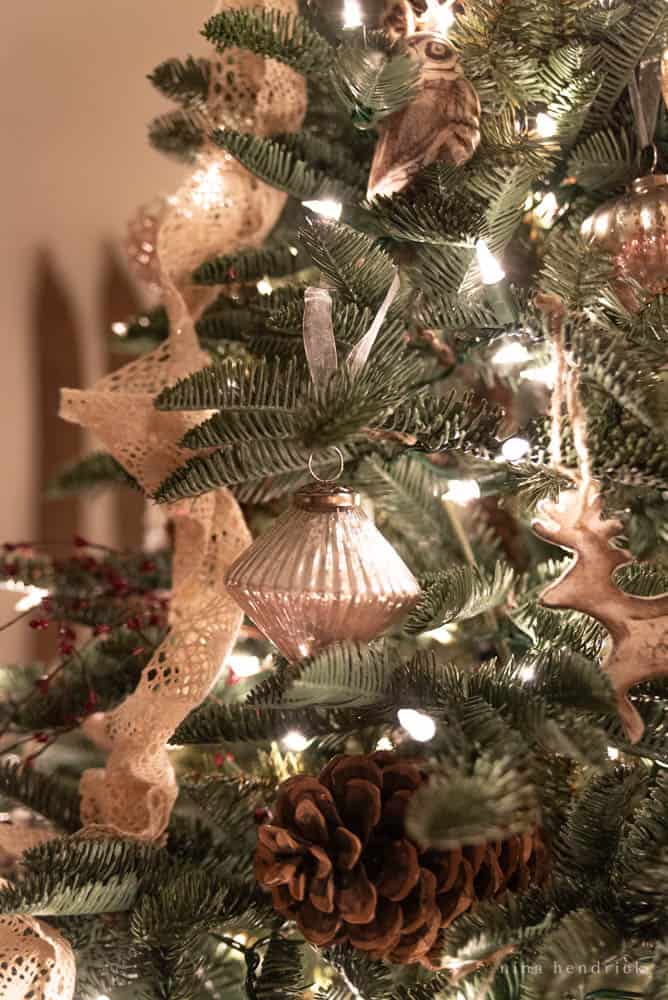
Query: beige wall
(74, 104)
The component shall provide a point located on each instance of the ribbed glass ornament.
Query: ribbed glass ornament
(322, 574)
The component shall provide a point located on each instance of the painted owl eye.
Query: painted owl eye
(438, 50)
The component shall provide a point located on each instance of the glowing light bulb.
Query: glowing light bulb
(462, 491)
(613, 753)
(438, 17)
(491, 271)
(295, 741)
(328, 208)
(515, 448)
(264, 286)
(419, 726)
(32, 596)
(547, 374)
(384, 743)
(545, 125)
(244, 664)
(527, 673)
(120, 329)
(546, 210)
(445, 634)
(513, 353)
(352, 14)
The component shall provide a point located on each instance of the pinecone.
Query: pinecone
(338, 861)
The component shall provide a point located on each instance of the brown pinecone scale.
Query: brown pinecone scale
(338, 861)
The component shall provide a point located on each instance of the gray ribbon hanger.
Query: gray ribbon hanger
(319, 341)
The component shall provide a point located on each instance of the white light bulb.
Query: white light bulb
(352, 14)
(419, 726)
(491, 271)
(384, 744)
(545, 125)
(328, 208)
(547, 374)
(32, 596)
(613, 753)
(445, 634)
(527, 673)
(513, 353)
(120, 329)
(295, 741)
(546, 210)
(438, 17)
(244, 664)
(515, 448)
(264, 286)
(462, 491)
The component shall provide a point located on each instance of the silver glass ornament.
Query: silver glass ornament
(322, 574)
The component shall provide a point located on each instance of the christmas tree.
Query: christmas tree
(382, 713)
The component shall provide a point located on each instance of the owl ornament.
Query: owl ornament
(441, 123)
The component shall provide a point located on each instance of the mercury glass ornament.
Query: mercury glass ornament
(322, 574)
(633, 229)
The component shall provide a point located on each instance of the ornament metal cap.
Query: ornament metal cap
(322, 574)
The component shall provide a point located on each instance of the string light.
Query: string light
(120, 329)
(491, 271)
(445, 634)
(384, 743)
(295, 741)
(327, 208)
(527, 673)
(438, 17)
(264, 286)
(462, 491)
(419, 726)
(512, 353)
(613, 753)
(546, 374)
(515, 448)
(545, 125)
(244, 664)
(352, 14)
(32, 596)
(546, 210)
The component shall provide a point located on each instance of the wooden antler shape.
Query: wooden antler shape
(638, 626)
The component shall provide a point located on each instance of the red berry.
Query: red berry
(42, 684)
(232, 273)
(9, 547)
(102, 630)
(91, 702)
(262, 815)
(218, 759)
(41, 737)
(66, 648)
(133, 623)
(148, 566)
(39, 624)
(66, 632)
(80, 542)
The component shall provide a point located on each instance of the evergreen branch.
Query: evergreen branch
(91, 473)
(458, 593)
(282, 973)
(359, 269)
(480, 934)
(185, 82)
(586, 942)
(372, 81)
(457, 808)
(274, 34)
(69, 877)
(602, 160)
(657, 989)
(444, 423)
(236, 425)
(624, 46)
(180, 134)
(236, 384)
(276, 164)
(251, 265)
(343, 675)
(419, 217)
(42, 793)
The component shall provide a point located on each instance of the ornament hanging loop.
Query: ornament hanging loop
(329, 479)
(654, 154)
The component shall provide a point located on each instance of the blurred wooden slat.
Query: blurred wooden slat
(118, 300)
(56, 352)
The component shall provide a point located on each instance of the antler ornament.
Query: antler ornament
(638, 626)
